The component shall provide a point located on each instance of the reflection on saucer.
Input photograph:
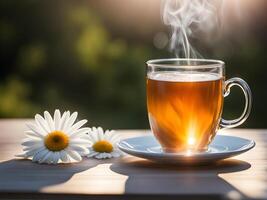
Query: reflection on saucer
(221, 147)
(211, 149)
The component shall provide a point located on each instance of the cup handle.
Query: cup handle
(248, 97)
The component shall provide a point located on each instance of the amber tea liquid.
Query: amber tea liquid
(184, 109)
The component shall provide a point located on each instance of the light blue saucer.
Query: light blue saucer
(221, 147)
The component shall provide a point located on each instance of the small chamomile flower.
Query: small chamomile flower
(103, 144)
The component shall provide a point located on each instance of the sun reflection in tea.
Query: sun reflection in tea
(191, 136)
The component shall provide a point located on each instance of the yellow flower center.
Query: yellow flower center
(56, 141)
(103, 146)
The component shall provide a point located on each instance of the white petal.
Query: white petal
(70, 121)
(100, 133)
(80, 142)
(103, 156)
(109, 134)
(57, 119)
(46, 157)
(73, 154)
(42, 123)
(33, 135)
(108, 155)
(92, 154)
(64, 157)
(49, 120)
(99, 156)
(22, 155)
(77, 125)
(32, 152)
(79, 132)
(116, 154)
(80, 149)
(55, 158)
(114, 137)
(84, 137)
(51, 157)
(107, 131)
(36, 129)
(34, 146)
(31, 142)
(93, 137)
(39, 155)
(115, 141)
(63, 120)
(94, 129)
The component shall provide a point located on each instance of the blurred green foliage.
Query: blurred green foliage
(59, 54)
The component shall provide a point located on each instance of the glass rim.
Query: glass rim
(207, 63)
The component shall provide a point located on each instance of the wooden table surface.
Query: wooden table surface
(241, 177)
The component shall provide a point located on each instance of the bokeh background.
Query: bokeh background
(89, 56)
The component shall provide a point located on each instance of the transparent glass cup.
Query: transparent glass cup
(185, 102)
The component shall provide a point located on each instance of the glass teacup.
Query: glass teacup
(185, 102)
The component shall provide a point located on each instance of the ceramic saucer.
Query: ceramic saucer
(221, 147)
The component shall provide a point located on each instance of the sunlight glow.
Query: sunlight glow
(191, 141)
(191, 137)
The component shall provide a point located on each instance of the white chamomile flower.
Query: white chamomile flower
(103, 145)
(55, 140)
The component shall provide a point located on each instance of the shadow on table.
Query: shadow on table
(23, 175)
(146, 177)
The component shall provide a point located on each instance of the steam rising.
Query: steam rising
(188, 18)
